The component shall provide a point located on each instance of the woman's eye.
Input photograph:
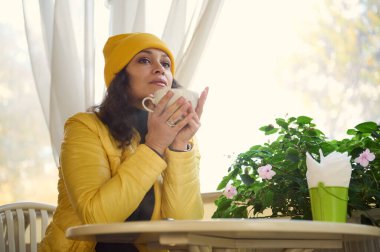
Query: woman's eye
(144, 60)
(165, 65)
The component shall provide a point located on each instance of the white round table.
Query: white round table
(205, 235)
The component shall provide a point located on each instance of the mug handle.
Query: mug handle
(143, 103)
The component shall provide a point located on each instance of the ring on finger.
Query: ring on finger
(173, 123)
(170, 123)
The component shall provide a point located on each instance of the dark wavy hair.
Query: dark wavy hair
(117, 112)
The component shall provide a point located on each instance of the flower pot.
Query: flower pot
(329, 203)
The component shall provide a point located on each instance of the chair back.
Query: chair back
(23, 225)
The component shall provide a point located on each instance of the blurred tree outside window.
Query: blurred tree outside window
(272, 59)
(338, 66)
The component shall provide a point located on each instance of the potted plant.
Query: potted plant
(273, 175)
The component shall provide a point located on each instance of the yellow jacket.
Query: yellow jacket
(100, 183)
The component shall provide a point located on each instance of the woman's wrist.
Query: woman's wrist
(181, 147)
(155, 149)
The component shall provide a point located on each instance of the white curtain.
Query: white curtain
(126, 16)
(186, 39)
(56, 64)
(63, 59)
(188, 58)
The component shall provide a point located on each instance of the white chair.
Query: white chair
(21, 223)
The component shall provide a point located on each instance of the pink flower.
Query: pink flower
(265, 172)
(364, 158)
(230, 191)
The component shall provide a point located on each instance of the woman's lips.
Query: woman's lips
(159, 83)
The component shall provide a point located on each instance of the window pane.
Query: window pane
(27, 168)
(270, 59)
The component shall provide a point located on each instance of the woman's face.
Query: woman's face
(147, 72)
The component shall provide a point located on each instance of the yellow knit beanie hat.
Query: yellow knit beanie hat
(120, 49)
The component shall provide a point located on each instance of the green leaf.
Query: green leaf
(223, 183)
(247, 180)
(241, 212)
(224, 203)
(304, 120)
(270, 132)
(235, 172)
(292, 155)
(351, 132)
(282, 123)
(258, 207)
(268, 129)
(257, 187)
(268, 198)
(366, 127)
(312, 132)
(292, 119)
(327, 147)
(223, 206)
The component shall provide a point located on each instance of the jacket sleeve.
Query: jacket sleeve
(97, 196)
(181, 197)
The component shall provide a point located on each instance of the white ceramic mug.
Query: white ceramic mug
(178, 92)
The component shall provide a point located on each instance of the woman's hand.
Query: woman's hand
(193, 124)
(161, 128)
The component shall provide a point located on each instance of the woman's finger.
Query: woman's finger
(161, 105)
(182, 123)
(201, 102)
(177, 109)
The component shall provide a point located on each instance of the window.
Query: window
(27, 168)
(265, 59)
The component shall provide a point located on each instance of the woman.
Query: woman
(119, 163)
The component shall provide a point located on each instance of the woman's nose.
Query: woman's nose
(159, 68)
